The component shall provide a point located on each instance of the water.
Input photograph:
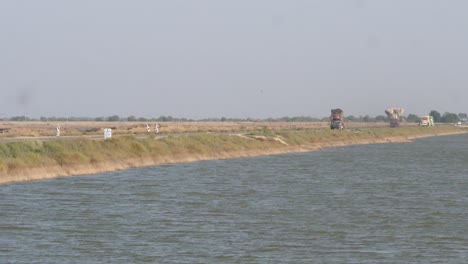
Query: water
(386, 203)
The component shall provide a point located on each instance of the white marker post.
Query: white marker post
(156, 128)
(58, 131)
(107, 133)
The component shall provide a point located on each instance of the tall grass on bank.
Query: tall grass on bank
(371, 134)
(18, 156)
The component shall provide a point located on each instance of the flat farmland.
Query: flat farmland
(76, 128)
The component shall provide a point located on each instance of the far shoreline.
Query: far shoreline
(272, 145)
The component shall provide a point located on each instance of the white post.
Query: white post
(57, 134)
(156, 128)
(107, 133)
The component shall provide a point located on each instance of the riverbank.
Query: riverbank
(35, 160)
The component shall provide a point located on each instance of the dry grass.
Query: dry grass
(44, 159)
(34, 129)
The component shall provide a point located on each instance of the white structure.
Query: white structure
(58, 131)
(156, 128)
(107, 133)
(148, 128)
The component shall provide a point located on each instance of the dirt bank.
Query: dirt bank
(278, 146)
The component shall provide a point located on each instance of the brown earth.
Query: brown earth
(58, 171)
(74, 128)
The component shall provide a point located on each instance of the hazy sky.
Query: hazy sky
(242, 58)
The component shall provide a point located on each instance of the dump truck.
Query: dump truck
(394, 114)
(336, 119)
(426, 121)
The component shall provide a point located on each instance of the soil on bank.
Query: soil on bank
(77, 128)
(35, 160)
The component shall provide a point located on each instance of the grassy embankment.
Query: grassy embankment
(20, 161)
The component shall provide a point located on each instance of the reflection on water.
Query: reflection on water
(387, 203)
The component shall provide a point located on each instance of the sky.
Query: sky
(235, 59)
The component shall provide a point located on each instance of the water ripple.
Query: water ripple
(387, 203)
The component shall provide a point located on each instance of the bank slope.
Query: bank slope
(34, 160)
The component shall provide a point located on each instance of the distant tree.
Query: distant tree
(166, 118)
(99, 119)
(381, 118)
(366, 118)
(19, 118)
(131, 119)
(114, 118)
(436, 115)
(413, 118)
(463, 117)
(449, 118)
(350, 118)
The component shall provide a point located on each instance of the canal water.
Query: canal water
(382, 203)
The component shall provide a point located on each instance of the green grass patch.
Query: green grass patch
(15, 156)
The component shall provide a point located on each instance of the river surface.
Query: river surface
(383, 203)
